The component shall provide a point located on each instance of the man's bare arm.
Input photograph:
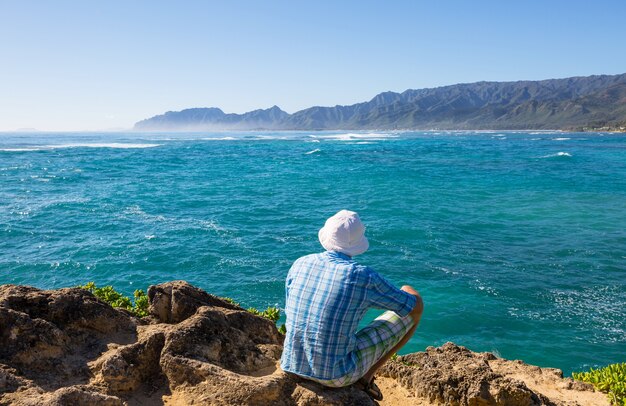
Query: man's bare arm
(417, 311)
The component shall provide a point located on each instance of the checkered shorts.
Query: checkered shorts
(373, 341)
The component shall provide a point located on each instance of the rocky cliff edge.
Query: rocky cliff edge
(66, 347)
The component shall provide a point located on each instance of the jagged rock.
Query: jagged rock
(75, 395)
(81, 396)
(125, 368)
(211, 336)
(50, 335)
(175, 301)
(10, 379)
(70, 308)
(454, 375)
(66, 347)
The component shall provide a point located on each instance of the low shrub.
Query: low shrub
(610, 380)
(138, 306)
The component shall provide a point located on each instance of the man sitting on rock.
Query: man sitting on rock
(327, 296)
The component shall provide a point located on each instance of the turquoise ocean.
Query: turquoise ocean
(516, 240)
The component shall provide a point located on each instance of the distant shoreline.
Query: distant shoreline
(359, 131)
(591, 102)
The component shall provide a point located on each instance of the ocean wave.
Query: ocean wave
(268, 137)
(558, 154)
(358, 136)
(561, 139)
(19, 149)
(445, 270)
(115, 145)
(316, 150)
(14, 168)
(211, 225)
(137, 211)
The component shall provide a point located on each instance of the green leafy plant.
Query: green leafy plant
(231, 301)
(141, 305)
(610, 379)
(271, 313)
(138, 306)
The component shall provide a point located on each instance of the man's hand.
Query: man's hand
(416, 313)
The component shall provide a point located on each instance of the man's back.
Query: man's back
(327, 296)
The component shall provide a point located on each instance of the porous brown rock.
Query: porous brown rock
(453, 375)
(175, 301)
(66, 347)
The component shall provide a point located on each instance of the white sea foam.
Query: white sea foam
(221, 139)
(269, 137)
(562, 139)
(316, 150)
(211, 225)
(135, 210)
(446, 270)
(19, 149)
(116, 145)
(358, 136)
(565, 154)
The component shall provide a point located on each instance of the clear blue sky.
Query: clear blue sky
(87, 65)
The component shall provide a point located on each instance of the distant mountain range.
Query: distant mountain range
(572, 104)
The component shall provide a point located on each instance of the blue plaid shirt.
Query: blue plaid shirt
(327, 295)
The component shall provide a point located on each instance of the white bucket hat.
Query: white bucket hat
(344, 232)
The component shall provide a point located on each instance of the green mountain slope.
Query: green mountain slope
(571, 103)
